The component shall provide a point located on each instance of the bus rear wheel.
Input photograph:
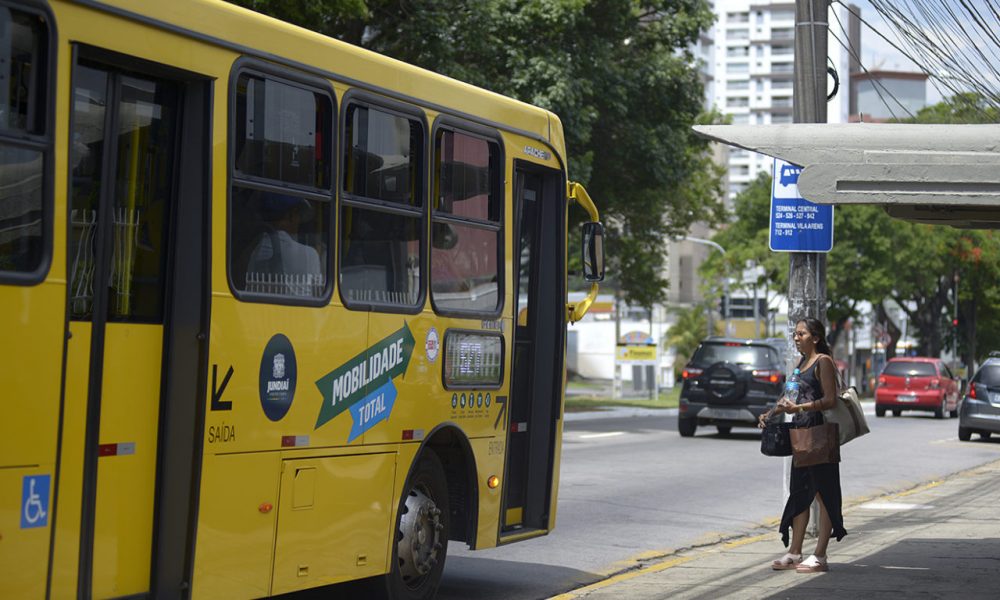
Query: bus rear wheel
(421, 534)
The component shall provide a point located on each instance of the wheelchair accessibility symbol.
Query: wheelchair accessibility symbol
(35, 501)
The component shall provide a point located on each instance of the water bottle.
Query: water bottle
(792, 387)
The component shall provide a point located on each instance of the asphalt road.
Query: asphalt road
(631, 487)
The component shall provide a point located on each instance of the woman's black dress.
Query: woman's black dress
(807, 481)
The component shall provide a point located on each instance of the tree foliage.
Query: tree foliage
(687, 332)
(617, 72)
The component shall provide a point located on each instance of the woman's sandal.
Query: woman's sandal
(813, 564)
(786, 562)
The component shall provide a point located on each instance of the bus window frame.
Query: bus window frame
(446, 122)
(316, 85)
(366, 99)
(43, 142)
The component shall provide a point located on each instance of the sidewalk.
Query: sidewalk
(939, 540)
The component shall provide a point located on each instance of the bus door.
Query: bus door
(137, 307)
(536, 375)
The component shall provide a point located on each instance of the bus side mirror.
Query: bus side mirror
(593, 251)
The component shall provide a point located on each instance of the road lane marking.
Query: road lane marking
(591, 436)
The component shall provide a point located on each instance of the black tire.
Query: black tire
(724, 429)
(686, 427)
(896, 412)
(422, 509)
(984, 435)
(879, 411)
(964, 434)
(953, 414)
(939, 411)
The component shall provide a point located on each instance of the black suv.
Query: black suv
(729, 382)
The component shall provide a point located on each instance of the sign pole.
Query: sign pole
(807, 271)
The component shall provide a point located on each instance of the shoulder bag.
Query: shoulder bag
(847, 413)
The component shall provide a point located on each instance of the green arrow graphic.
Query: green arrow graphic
(370, 369)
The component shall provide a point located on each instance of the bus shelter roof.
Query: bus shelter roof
(947, 174)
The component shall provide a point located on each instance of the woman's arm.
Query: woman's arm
(828, 379)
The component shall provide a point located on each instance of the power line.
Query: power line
(947, 68)
(875, 82)
(951, 41)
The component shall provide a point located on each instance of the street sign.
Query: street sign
(797, 225)
(635, 354)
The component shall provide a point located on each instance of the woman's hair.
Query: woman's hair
(818, 331)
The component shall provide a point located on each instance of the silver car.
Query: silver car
(980, 411)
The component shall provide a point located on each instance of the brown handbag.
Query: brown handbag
(815, 445)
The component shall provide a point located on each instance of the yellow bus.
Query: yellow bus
(276, 312)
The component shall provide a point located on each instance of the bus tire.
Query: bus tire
(422, 530)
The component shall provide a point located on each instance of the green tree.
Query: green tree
(617, 72)
(971, 256)
(969, 107)
(746, 243)
(687, 332)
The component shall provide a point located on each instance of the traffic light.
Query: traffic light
(954, 322)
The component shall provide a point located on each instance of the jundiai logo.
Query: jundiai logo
(365, 385)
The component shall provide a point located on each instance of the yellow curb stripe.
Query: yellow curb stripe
(663, 566)
(656, 568)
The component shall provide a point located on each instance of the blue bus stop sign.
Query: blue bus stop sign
(797, 225)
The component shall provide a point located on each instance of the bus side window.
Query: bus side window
(23, 77)
(466, 224)
(280, 201)
(382, 210)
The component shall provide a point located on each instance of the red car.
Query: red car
(917, 383)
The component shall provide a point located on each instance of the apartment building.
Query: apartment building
(754, 53)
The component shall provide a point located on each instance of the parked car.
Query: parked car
(980, 410)
(728, 383)
(917, 383)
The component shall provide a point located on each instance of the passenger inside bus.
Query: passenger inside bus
(280, 263)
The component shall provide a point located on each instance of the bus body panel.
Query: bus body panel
(257, 460)
(126, 477)
(247, 414)
(236, 525)
(315, 549)
(32, 322)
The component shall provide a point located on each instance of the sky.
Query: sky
(878, 53)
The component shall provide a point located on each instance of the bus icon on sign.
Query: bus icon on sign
(790, 174)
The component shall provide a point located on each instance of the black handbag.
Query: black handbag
(775, 439)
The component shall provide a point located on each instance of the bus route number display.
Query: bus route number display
(473, 358)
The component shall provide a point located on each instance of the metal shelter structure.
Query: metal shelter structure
(942, 174)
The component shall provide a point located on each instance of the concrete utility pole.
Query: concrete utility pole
(807, 270)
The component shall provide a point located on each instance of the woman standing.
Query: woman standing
(817, 392)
